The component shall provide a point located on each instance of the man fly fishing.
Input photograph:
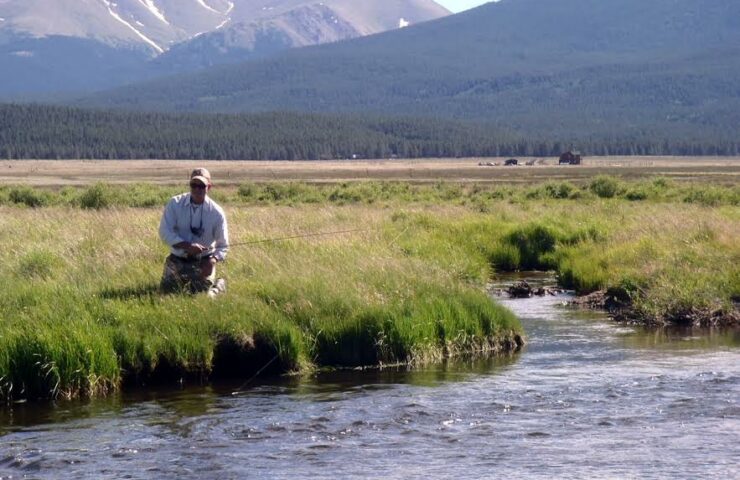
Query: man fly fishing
(195, 228)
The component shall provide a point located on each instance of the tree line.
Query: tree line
(53, 132)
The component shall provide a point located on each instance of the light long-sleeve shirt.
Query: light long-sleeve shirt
(184, 221)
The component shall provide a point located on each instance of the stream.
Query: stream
(585, 398)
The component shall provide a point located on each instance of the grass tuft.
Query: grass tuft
(38, 264)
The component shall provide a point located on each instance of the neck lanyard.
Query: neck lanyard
(197, 232)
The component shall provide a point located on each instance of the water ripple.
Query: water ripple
(585, 399)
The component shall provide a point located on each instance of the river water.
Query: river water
(586, 398)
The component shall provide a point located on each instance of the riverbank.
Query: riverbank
(620, 305)
(84, 317)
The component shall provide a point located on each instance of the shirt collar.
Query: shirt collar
(188, 201)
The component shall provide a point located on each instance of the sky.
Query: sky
(460, 5)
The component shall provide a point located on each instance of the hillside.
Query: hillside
(548, 67)
(78, 45)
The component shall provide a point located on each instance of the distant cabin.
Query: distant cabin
(511, 162)
(570, 158)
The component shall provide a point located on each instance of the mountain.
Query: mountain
(545, 66)
(292, 24)
(65, 45)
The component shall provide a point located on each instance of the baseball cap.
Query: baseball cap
(202, 175)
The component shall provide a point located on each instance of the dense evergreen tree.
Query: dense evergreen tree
(50, 132)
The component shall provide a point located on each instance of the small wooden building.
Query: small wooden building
(570, 157)
(511, 162)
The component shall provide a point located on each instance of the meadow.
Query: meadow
(55, 173)
(82, 314)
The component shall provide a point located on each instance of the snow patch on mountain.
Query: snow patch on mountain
(221, 25)
(149, 4)
(207, 7)
(115, 15)
(403, 23)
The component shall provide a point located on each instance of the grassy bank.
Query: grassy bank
(82, 314)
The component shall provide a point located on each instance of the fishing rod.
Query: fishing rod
(305, 235)
(243, 385)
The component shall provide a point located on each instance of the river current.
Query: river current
(586, 398)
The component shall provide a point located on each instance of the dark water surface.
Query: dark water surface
(585, 399)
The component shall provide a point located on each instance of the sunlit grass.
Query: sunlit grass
(82, 314)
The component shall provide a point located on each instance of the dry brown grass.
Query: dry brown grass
(84, 172)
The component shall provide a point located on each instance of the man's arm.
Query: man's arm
(168, 224)
(221, 235)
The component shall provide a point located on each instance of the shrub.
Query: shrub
(98, 196)
(580, 194)
(247, 191)
(142, 196)
(604, 186)
(283, 193)
(273, 193)
(346, 194)
(553, 190)
(706, 195)
(559, 190)
(30, 197)
(636, 194)
(661, 183)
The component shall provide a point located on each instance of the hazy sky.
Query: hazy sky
(460, 5)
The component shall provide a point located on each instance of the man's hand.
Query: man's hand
(195, 249)
(206, 267)
(192, 249)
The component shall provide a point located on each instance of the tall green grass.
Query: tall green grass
(675, 263)
(82, 314)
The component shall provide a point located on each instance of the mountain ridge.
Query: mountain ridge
(558, 65)
(170, 36)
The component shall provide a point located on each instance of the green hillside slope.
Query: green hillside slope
(559, 67)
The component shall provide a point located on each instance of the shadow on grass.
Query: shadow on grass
(144, 291)
(130, 293)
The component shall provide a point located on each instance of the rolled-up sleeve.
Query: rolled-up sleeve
(221, 235)
(168, 225)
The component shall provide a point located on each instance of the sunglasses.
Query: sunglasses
(197, 186)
